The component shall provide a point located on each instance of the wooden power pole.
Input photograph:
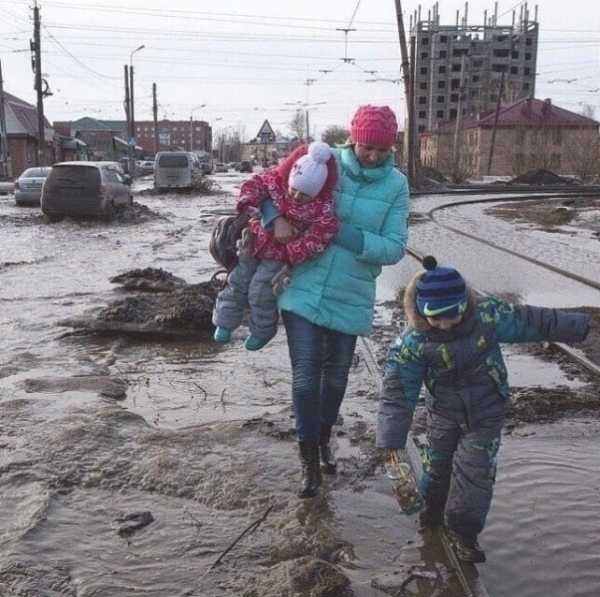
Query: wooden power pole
(40, 156)
(3, 132)
(496, 116)
(155, 116)
(127, 104)
(408, 90)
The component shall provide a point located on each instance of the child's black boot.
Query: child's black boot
(467, 548)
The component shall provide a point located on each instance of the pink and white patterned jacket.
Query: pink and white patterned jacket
(314, 220)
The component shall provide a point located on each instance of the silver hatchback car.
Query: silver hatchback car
(28, 187)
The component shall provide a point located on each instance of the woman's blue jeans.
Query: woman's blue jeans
(321, 359)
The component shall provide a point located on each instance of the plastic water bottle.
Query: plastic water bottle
(404, 482)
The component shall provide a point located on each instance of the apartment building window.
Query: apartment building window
(493, 97)
(422, 114)
(443, 39)
(527, 56)
(424, 70)
(514, 70)
(459, 52)
(454, 97)
(456, 68)
(440, 114)
(499, 68)
(422, 100)
(421, 128)
(443, 53)
(528, 41)
(515, 54)
(425, 41)
(423, 85)
(455, 84)
(476, 78)
(442, 70)
(453, 114)
(477, 63)
(440, 99)
(501, 53)
(424, 55)
(441, 84)
(526, 71)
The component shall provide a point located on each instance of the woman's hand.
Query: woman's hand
(283, 231)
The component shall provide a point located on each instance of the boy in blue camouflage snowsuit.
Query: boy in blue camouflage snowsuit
(452, 344)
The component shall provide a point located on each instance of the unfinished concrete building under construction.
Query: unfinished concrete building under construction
(461, 68)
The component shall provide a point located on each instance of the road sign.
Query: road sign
(266, 134)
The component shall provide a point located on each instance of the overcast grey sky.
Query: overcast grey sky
(250, 60)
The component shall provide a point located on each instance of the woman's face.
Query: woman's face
(371, 156)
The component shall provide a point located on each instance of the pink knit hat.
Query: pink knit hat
(374, 125)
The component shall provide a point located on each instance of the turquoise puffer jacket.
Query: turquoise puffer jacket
(336, 290)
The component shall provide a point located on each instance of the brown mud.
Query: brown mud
(549, 214)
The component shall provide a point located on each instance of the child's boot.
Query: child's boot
(222, 335)
(467, 548)
(255, 343)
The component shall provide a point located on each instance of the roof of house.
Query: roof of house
(526, 112)
(94, 124)
(21, 117)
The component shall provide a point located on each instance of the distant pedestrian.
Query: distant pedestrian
(302, 189)
(330, 300)
(452, 344)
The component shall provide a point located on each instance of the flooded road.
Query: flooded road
(203, 438)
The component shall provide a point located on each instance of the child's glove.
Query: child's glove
(281, 280)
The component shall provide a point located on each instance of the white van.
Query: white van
(175, 170)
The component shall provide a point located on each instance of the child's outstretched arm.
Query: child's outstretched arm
(402, 379)
(252, 193)
(525, 323)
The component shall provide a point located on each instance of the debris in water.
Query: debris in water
(134, 522)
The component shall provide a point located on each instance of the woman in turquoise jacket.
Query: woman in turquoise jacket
(330, 300)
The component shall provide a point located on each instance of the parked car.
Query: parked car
(246, 166)
(175, 170)
(220, 167)
(84, 189)
(28, 187)
(144, 167)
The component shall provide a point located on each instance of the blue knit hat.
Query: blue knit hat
(441, 291)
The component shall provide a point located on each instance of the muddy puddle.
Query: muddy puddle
(202, 438)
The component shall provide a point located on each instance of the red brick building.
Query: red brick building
(530, 134)
(22, 135)
(183, 135)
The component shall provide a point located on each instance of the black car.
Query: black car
(246, 166)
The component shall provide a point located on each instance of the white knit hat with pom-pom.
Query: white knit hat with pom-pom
(309, 173)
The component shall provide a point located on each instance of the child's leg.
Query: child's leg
(473, 478)
(262, 300)
(443, 435)
(233, 299)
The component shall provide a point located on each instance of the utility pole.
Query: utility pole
(496, 116)
(155, 115)
(407, 76)
(40, 156)
(127, 111)
(457, 128)
(3, 134)
(307, 127)
(131, 104)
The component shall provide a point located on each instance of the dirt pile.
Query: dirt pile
(183, 311)
(540, 177)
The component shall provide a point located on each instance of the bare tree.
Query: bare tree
(588, 111)
(298, 124)
(457, 170)
(335, 135)
(539, 148)
(581, 153)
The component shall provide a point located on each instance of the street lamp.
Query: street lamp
(131, 95)
(198, 107)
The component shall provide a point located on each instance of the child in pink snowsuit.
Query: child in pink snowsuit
(301, 189)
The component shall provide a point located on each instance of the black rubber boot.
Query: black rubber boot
(329, 465)
(467, 548)
(311, 471)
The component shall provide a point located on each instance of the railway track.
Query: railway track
(572, 353)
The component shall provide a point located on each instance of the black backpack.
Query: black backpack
(223, 241)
